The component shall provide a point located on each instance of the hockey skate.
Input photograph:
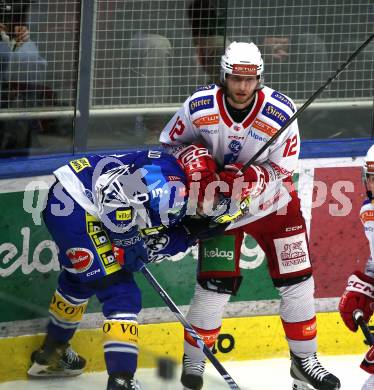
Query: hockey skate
(122, 382)
(192, 374)
(309, 374)
(62, 361)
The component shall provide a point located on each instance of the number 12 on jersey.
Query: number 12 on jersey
(291, 147)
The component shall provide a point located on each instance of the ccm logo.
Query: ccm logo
(294, 228)
(361, 286)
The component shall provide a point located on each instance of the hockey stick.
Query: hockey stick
(200, 343)
(358, 318)
(305, 105)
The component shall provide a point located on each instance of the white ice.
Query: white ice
(249, 375)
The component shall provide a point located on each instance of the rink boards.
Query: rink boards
(241, 338)
(331, 193)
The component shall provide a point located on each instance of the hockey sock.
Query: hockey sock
(121, 343)
(65, 314)
(299, 318)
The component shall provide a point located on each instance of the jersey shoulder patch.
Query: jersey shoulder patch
(199, 103)
(284, 100)
(204, 88)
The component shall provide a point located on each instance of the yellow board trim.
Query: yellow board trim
(254, 337)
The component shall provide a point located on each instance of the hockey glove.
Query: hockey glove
(252, 181)
(129, 249)
(368, 363)
(358, 295)
(229, 210)
(201, 229)
(199, 166)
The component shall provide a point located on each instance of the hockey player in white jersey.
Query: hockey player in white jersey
(216, 131)
(359, 293)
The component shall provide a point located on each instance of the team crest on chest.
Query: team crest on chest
(235, 146)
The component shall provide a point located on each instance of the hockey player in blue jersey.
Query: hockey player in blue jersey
(108, 215)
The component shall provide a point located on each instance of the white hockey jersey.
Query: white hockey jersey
(204, 118)
(367, 219)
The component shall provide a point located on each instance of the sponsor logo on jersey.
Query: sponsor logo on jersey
(283, 99)
(264, 127)
(123, 215)
(206, 120)
(235, 146)
(294, 228)
(108, 259)
(292, 253)
(256, 136)
(201, 103)
(243, 69)
(237, 137)
(120, 242)
(174, 178)
(275, 113)
(205, 87)
(153, 230)
(209, 131)
(99, 239)
(81, 258)
(367, 216)
(94, 272)
(80, 164)
(93, 225)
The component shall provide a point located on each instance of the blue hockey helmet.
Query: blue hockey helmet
(167, 192)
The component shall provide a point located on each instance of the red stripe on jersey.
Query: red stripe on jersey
(222, 109)
(255, 110)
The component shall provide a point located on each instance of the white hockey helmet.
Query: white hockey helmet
(368, 168)
(243, 59)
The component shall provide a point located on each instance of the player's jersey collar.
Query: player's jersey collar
(259, 99)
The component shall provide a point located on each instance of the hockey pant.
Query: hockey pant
(282, 236)
(89, 268)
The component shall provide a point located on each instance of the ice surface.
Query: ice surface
(250, 375)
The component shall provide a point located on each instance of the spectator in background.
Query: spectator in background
(152, 60)
(298, 63)
(208, 28)
(21, 69)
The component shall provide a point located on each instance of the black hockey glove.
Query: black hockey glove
(202, 228)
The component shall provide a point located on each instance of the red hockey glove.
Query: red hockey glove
(199, 166)
(254, 183)
(368, 362)
(358, 295)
